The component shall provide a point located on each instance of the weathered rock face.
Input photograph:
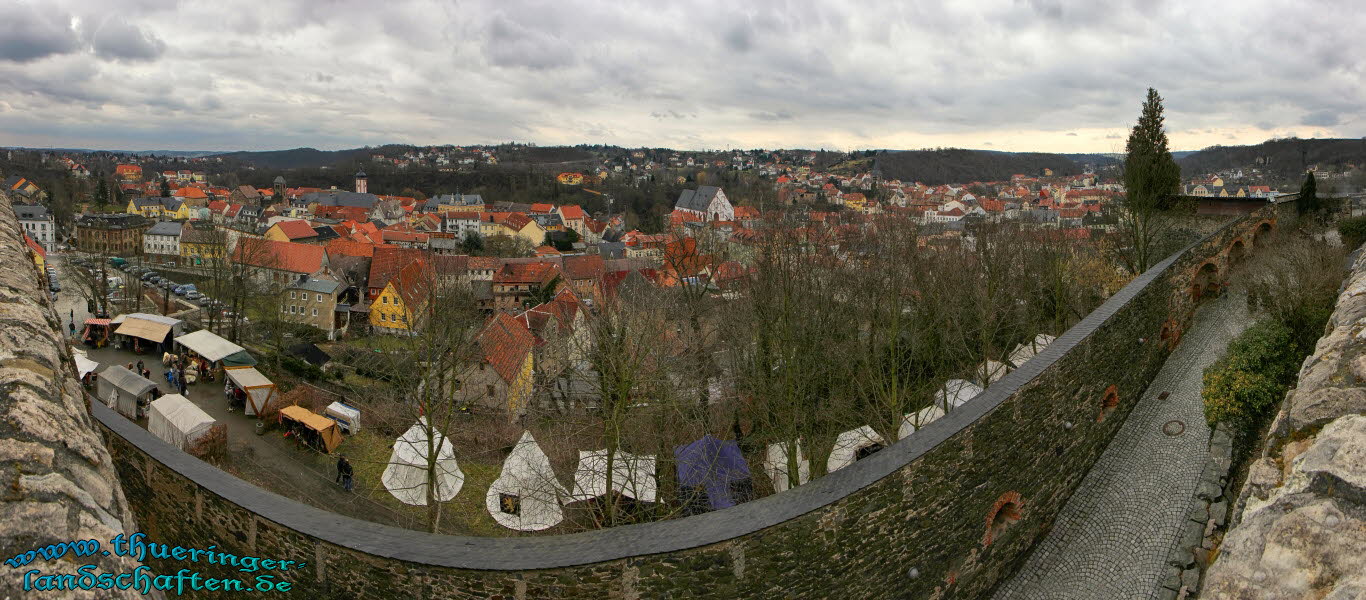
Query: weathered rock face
(59, 482)
(1302, 528)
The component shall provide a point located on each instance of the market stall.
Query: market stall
(85, 367)
(145, 332)
(251, 387)
(311, 429)
(125, 391)
(96, 332)
(177, 421)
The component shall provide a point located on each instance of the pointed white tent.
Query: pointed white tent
(406, 475)
(847, 446)
(913, 422)
(526, 496)
(1022, 353)
(988, 372)
(955, 392)
(775, 463)
(83, 363)
(633, 475)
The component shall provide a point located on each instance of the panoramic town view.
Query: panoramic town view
(1006, 300)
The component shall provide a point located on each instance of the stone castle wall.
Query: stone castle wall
(949, 512)
(59, 480)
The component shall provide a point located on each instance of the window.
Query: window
(291, 296)
(383, 317)
(320, 298)
(291, 309)
(489, 390)
(315, 312)
(383, 299)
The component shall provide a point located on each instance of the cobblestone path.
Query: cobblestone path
(1113, 537)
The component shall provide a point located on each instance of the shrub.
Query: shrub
(1237, 397)
(1353, 231)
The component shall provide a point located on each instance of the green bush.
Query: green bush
(1353, 231)
(1238, 398)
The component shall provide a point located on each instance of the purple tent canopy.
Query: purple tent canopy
(713, 465)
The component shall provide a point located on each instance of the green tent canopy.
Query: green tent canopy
(240, 359)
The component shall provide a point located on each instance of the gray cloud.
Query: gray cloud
(1039, 74)
(781, 115)
(28, 33)
(1322, 118)
(119, 40)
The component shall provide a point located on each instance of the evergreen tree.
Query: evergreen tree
(165, 188)
(1150, 173)
(1309, 196)
(101, 193)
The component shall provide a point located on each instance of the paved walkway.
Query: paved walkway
(1113, 537)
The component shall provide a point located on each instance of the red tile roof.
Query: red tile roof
(296, 230)
(505, 343)
(542, 208)
(387, 262)
(536, 272)
(284, 256)
(570, 212)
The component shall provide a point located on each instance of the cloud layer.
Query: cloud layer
(1015, 75)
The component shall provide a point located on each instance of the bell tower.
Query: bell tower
(360, 182)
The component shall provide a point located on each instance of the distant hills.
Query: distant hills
(957, 165)
(1284, 156)
(303, 158)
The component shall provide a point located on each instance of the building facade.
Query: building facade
(111, 234)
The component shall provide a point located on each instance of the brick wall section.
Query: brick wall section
(910, 521)
(58, 479)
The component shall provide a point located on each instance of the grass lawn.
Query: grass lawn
(462, 515)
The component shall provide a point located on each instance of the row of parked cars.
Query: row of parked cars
(52, 284)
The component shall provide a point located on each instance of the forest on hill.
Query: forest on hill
(1285, 157)
(957, 165)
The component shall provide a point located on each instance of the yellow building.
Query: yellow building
(397, 309)
(200, 244)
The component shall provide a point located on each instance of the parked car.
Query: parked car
(181, 290)
(56, 287)
(149, 275)
(193, 295)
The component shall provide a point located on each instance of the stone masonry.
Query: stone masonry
(1300, 522)
(59, 481)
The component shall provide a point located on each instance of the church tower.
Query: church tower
(360, 182)
(278, 188)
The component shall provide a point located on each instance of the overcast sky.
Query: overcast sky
(1046, 75)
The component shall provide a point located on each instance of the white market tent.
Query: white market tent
(121, 389)
(526, 496)
(775, 463)
(84, 365)
(1023, 352)
(406, 475)
(913, 422)
(989, 371)
(209, 345)
(177, 421)
(259, 389)
(633, 475)
(848, 445)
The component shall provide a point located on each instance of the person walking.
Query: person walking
(344, 472)
(72, 324)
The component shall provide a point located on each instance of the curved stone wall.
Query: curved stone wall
(950, 511)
